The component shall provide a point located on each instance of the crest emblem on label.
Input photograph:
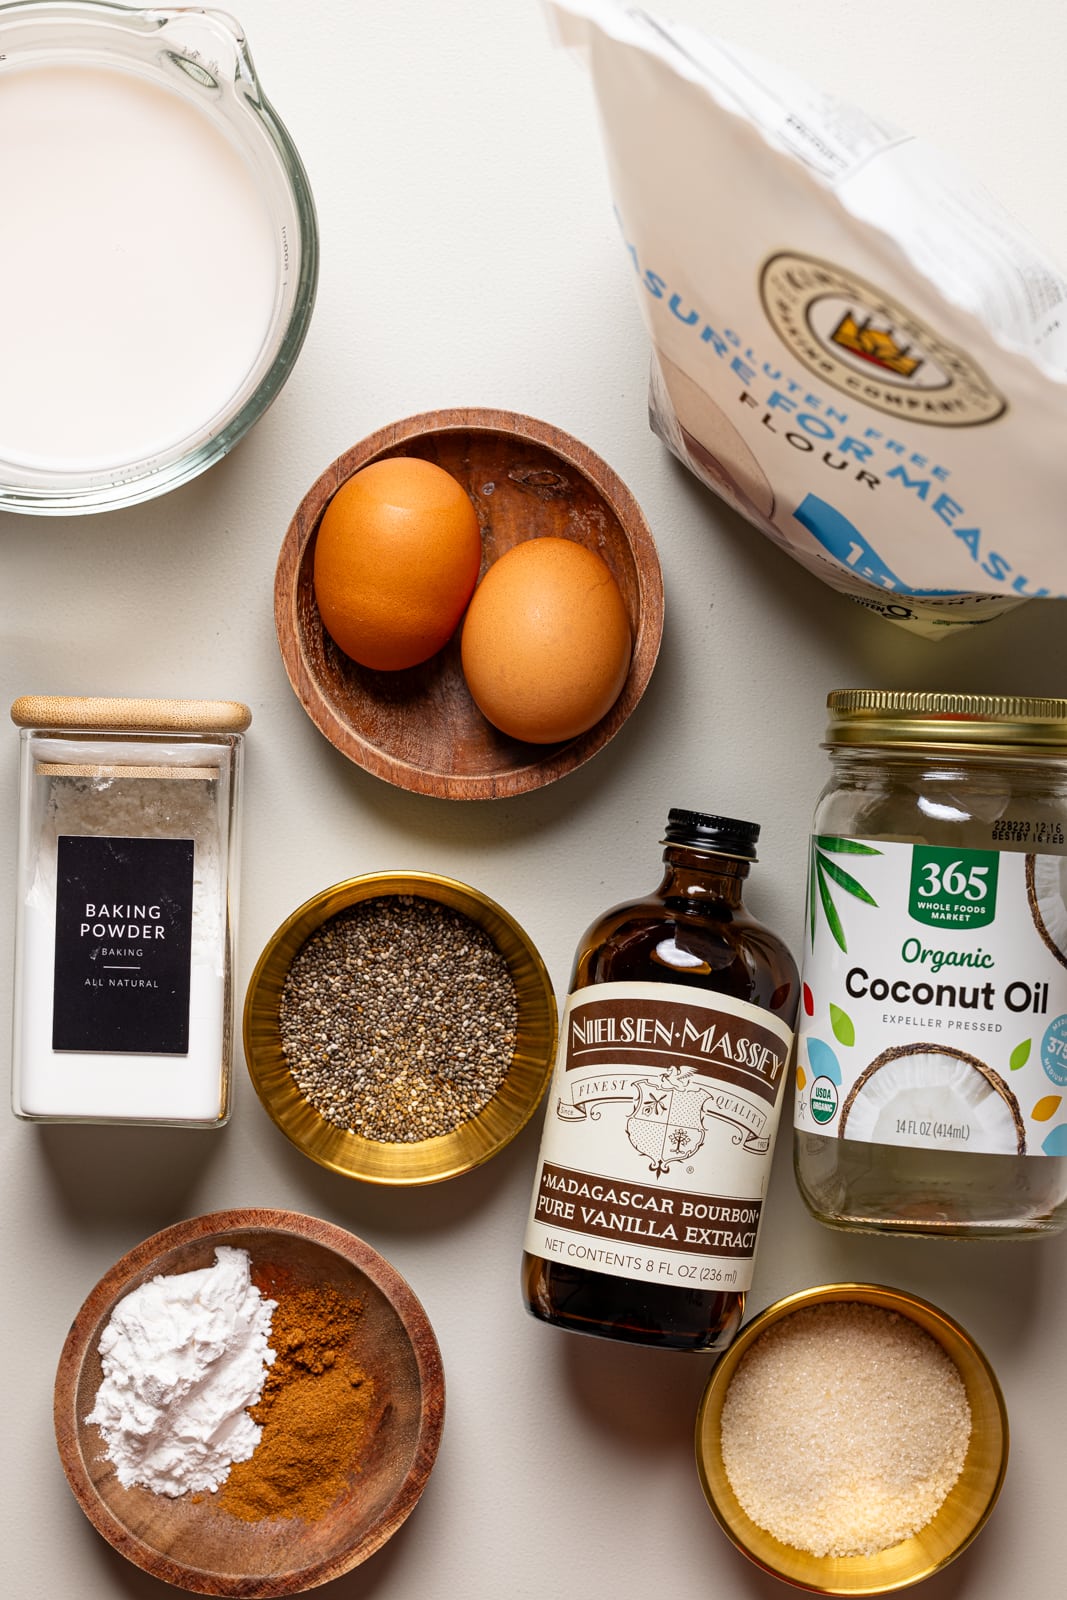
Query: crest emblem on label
(866, 344)
(666, 1123)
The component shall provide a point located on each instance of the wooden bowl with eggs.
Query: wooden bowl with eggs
(419, 727)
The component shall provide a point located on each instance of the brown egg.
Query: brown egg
(546, 641)
(396, 560)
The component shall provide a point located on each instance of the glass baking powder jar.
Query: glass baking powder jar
(932, 1042)
(126, 893)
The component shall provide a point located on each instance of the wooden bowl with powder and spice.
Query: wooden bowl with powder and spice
(400, 1027)
(853, 1440)
(259, 1475)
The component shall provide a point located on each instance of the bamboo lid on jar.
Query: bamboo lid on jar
(100, 713)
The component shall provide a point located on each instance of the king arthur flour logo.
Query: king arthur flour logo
(867, 345)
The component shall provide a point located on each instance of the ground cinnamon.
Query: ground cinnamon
(314, 1410)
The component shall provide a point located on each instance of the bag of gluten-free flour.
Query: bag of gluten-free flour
(853, 344)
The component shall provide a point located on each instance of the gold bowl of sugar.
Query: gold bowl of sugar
(922, 1429)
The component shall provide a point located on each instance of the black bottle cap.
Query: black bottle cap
(727, 836)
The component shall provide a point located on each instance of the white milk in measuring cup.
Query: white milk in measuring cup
(161, 252)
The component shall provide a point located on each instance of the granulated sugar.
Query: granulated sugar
(844, 1428)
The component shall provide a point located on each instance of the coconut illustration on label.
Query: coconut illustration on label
(1046, 895)
(923, 1093)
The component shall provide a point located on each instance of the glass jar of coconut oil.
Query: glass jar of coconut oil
(932, 1042)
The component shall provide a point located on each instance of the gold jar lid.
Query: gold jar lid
(111, 713)
(881, 718)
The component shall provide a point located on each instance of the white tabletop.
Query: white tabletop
(470, 257)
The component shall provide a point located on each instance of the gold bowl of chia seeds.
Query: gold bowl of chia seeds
(400, 1027)
(853, 1440)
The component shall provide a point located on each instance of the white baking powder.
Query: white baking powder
(183, 1357)
(132, 1085)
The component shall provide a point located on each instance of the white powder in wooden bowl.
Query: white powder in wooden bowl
(183, 1356)
(844, 1428)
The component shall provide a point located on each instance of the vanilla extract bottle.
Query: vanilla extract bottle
(663, 1109)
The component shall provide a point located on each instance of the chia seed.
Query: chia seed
(398, 1019)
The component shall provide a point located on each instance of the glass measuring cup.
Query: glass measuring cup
(141, 361)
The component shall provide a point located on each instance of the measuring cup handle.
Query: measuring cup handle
(209, 45)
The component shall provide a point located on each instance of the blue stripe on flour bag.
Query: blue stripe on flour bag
(841, 539)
